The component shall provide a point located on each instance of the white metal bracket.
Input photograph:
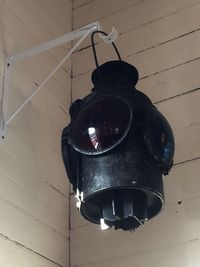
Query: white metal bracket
(81, 33)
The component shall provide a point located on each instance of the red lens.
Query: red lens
(101, 125)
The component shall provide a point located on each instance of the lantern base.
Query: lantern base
(124, 208)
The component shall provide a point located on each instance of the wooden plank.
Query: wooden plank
(36, 120)
(145, 37)
(2, 60)
(181, 184)
(143, 13)
(52, 23)
(173, 109)
(172, 82)
(184, 255)
(39, 157)
(57, 99)
(95, 10)
(31, 19)
(24, 37)
(36, 141)
(168, 55)
(47, 65)
(24, 128)
(187, 140)
(43, 102)
(159, 58)
(21, 256)
(31, 203)
(35, 126)
(30, 181)
(81, 86)
(38, 9)
(34, 219)
(58, 96)
(19, 226)
(79, 3)
(154, 10)
(60, 93)
(56, 113)
(177, 224)
(158, 87)
(62, 12)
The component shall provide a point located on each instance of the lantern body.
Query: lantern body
(116, 149)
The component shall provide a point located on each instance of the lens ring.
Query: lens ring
(100, 125)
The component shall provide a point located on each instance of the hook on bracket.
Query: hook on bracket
(111, 37)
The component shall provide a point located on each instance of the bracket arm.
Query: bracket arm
(81, 33)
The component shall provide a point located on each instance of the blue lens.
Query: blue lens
(158, 136)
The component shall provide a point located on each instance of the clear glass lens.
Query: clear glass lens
(101, 125)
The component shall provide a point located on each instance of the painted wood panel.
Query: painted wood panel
(34, 223)
(158, 87)
(32, 20)
(22, 175)
(140, 14)
(79, 3)
(38, 157)
(17, 225)
(62, 12)
(156, 59)
(26, 34)
(31, 203)
(177, 224)
(12, 252)
(95, 10)
(33, 184)
(142, 38)
(173, 82)
(169, 256)
(51, 109)
(136, 15)
(54, 108)
(52, 22)
(37, 67)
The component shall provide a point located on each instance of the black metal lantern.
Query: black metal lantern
(116, 149)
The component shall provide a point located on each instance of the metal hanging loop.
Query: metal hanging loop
(108, 40)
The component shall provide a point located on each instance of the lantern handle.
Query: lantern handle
(94, 49)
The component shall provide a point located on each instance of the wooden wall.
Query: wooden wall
(162, 39)
(34, 221)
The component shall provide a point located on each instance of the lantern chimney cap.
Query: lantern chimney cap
(115, 71)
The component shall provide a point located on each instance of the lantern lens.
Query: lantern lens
(159, 137)
(100, 125)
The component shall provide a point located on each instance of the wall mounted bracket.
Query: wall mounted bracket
(81, 33)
